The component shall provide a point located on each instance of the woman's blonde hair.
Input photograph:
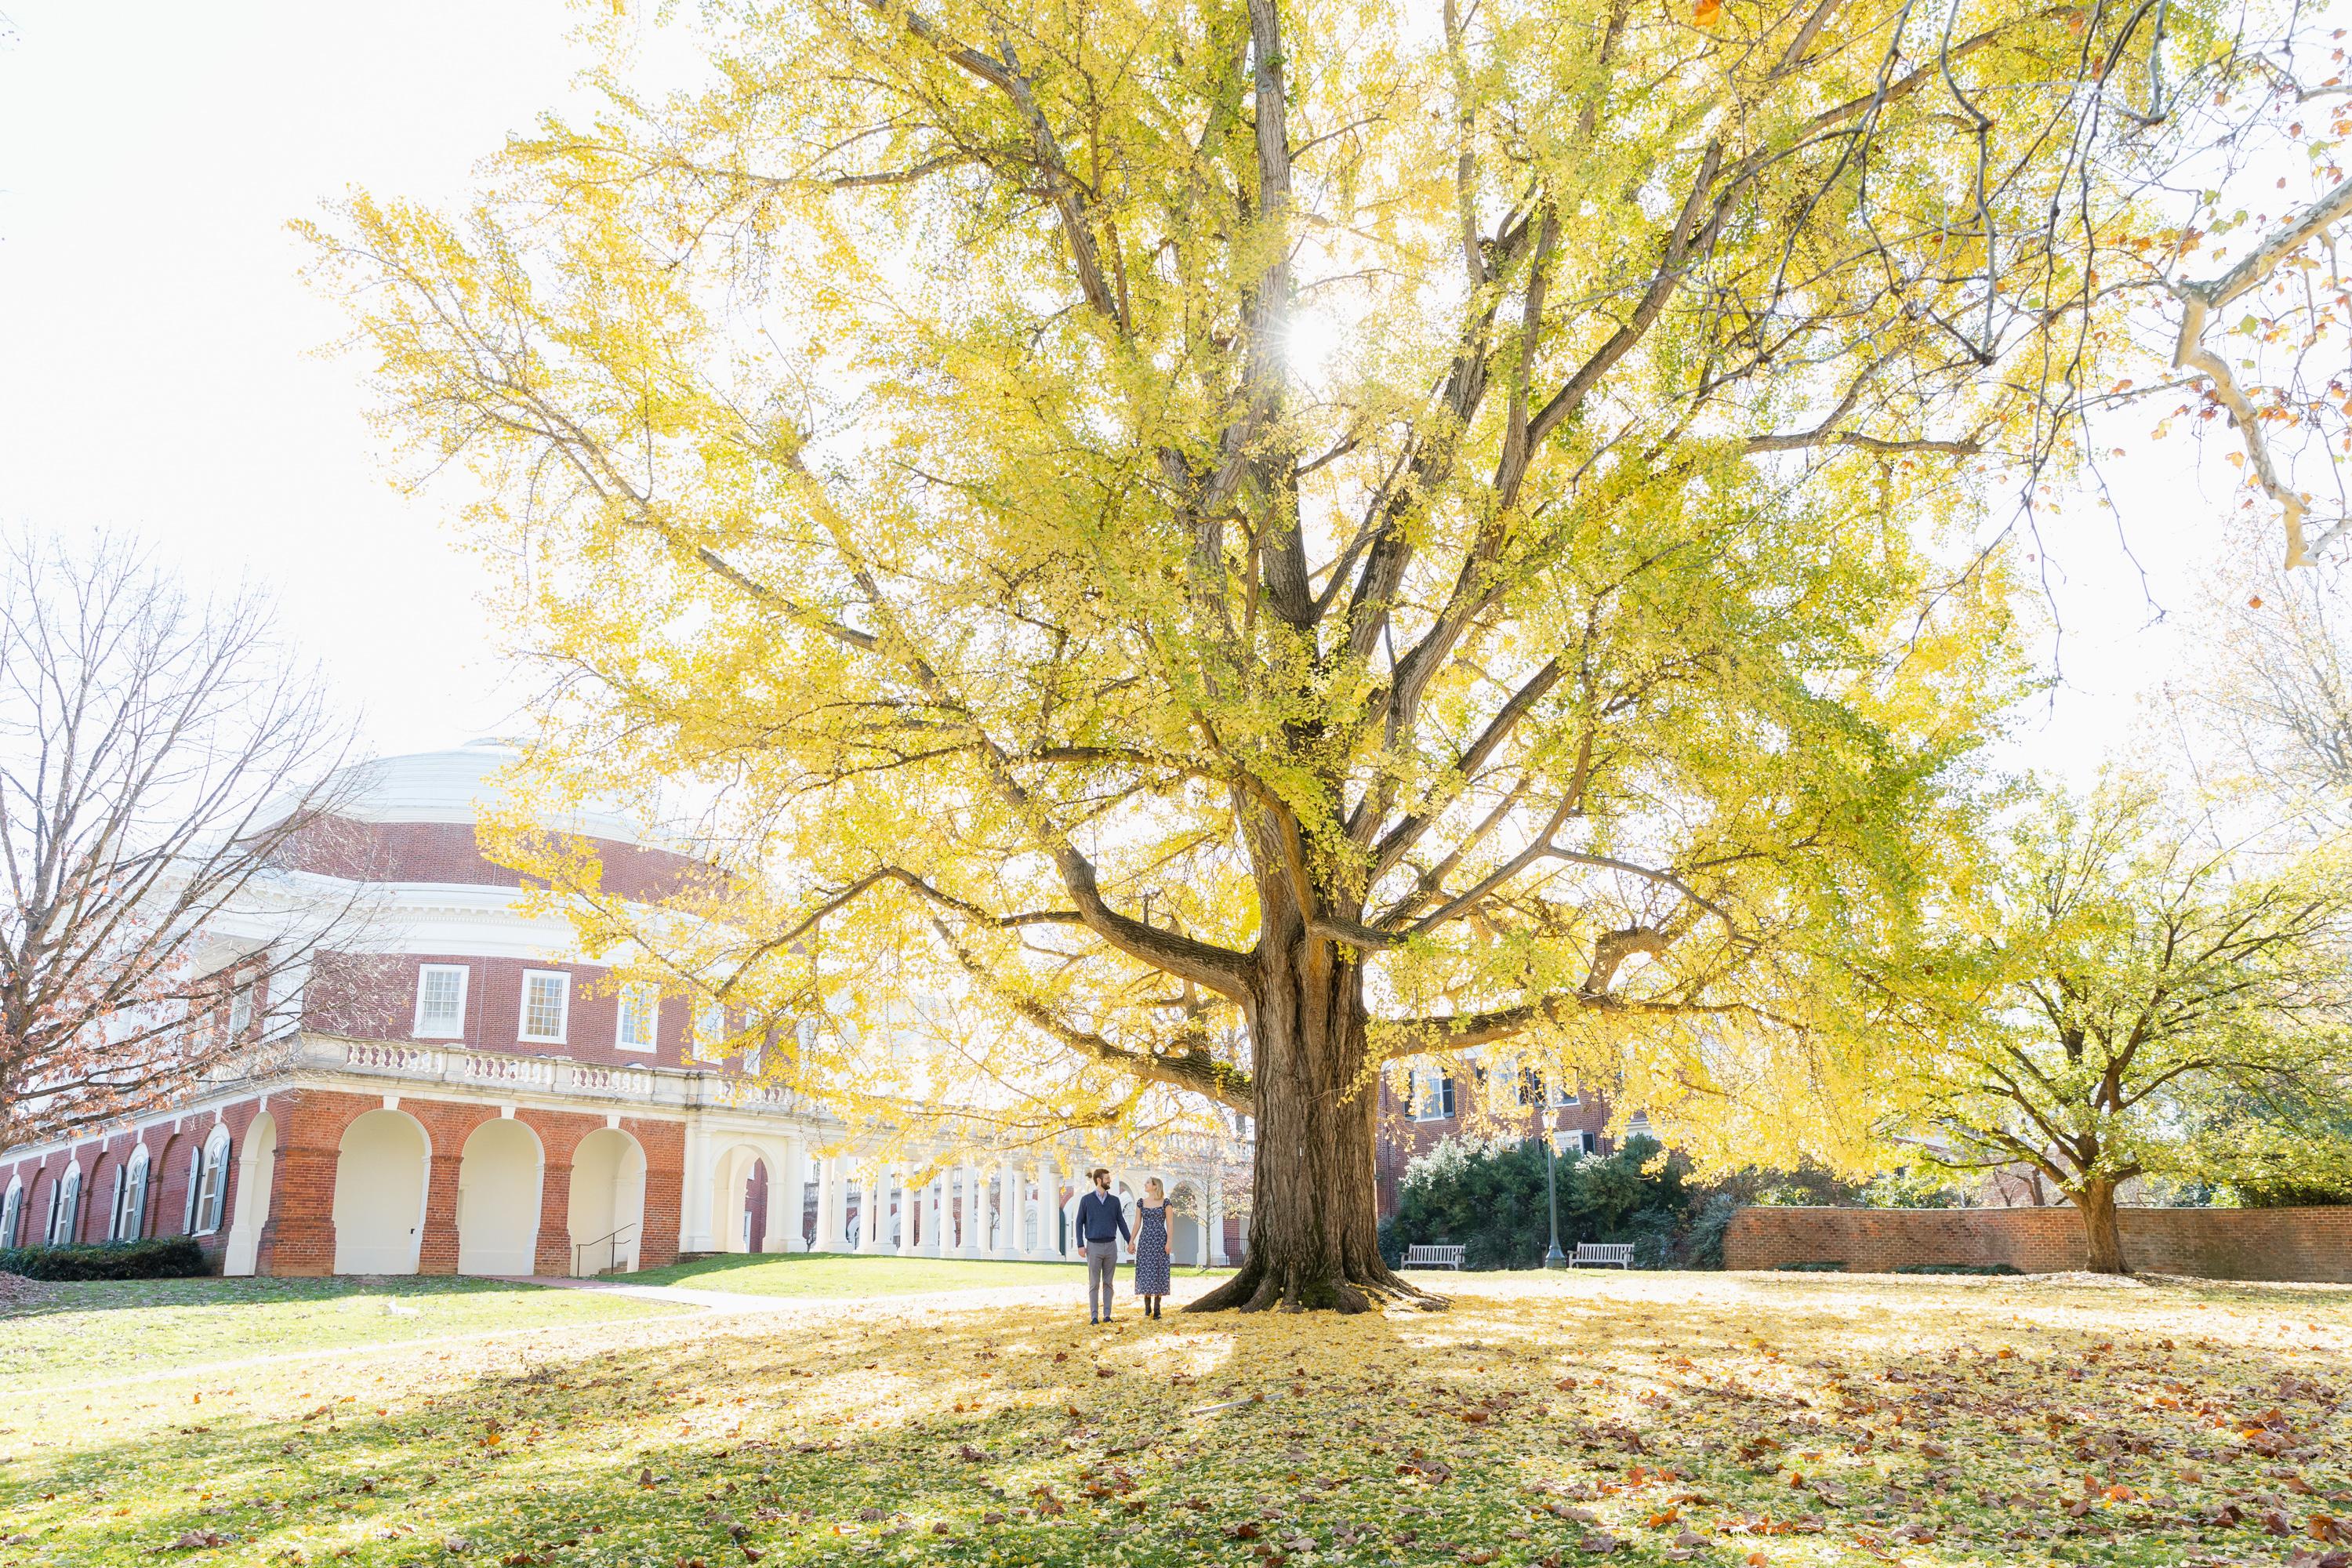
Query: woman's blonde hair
(1152, 1185)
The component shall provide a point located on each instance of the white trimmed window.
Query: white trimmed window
(546, 1005)
(130, 1197)
(212, 1185)
(65, 1208)
(1574, 1143)
(12, 1213)
(640, 1017)
(441, 1001)
(1562, 1097)
(1433, 1096)
(240, 1010)
(710, 1031)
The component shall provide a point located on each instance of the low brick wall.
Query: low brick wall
(2212, 1244)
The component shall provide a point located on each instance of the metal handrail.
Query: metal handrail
(580, 1250)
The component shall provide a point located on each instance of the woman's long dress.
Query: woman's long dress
(1150, 1250)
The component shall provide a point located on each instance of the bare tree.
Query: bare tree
(2265, 708)
(160, 756)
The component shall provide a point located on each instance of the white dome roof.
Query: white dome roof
(454, 786)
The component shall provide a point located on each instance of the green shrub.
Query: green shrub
(1488, 1198)
(1956, 1269)
(2289, 1194)
(1702, 1243)
(1812, 1268)
(158, 1258)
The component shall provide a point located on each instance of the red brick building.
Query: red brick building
(455, 1089)
(1422, 1103)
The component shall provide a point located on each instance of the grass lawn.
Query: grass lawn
(1733, 1420)
(823, 1275)
(85, 1333)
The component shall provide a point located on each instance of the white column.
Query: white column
(872, 1223)
(1214, 1238)
(1008, 1211)
(828, 1205)
(972, 1242)
(1041, 1246)
(795, 1205)
(906, 1205)
(771, 1229)
(934, 1212)
(695, 1200)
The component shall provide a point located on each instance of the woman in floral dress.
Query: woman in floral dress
(1151, 1247)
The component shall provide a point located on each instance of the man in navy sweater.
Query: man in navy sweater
(1101, 1223)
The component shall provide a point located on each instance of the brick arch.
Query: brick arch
(98, 1193)
(18, 1183)
(561, 1134)
(603, 1196)
(39, 1182)
(382, 1167)
(170, 1199)
(498, 1224)
(73, 1164)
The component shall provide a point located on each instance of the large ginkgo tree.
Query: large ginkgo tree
(1210, 548)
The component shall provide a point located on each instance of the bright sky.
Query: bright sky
(159, 364)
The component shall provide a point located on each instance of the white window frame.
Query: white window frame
(632, 995)
(65, 1208)
(214, 1190)
(562, 1007)
(464, 972)
(12, 1213)
(130, 1197)
(240, 1007)
(1441, 1085)
(709, 1037)
(196, 1186)
(1561, 1098)
(1575, 1140)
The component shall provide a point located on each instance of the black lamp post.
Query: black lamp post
(1555, 1258)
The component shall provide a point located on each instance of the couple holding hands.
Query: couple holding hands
(1101, 1222)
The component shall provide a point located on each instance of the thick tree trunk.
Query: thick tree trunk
(2100, 1229)
(1314, 1219)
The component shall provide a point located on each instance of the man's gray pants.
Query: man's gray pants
(1102, 1275)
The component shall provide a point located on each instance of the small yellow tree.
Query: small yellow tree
(2132, 996)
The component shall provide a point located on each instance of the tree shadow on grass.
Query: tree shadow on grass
(1413, 1439)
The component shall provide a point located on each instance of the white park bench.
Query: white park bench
(1437, 1256)
(1607, 1253)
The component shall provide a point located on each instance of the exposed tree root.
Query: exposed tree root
(1260, 1286)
